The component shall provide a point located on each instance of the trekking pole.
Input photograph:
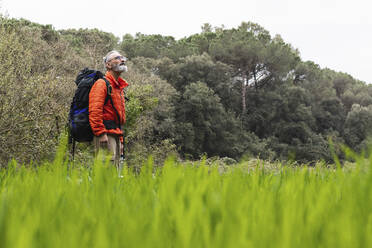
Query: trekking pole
(122, 158)
(71, 141)
(73, 149)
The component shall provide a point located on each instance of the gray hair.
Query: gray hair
(108, 55)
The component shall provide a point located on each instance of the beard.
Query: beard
(120, 68)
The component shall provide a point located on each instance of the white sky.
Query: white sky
(333, 33)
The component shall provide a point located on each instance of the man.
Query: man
(106, 119)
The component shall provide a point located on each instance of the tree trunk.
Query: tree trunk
(244, 90)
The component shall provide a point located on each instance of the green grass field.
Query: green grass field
(55, 205)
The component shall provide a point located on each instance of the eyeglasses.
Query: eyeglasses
(120, 57)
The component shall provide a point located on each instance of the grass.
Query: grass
(60, 205)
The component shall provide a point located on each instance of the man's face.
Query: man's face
(116, 62)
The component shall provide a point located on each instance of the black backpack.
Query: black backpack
(78, 121)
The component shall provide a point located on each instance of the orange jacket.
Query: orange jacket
(99, 112)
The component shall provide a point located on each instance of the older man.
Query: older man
(106, 117)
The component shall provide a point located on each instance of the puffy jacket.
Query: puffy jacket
(99, 111)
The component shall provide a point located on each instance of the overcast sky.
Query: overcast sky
(333, 33)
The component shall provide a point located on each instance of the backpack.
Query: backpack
(78, 122)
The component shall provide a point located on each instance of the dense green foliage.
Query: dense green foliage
(222, 92)
(266, 101)
(185, 205)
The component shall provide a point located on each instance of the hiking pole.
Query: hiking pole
(73, 149)
(122, 158)
(71, 141)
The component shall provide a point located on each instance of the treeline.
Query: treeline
(222, 92)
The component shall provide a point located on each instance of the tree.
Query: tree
(33, 102)
(330, 115)
(91, 44)
(149, 46)
(205, 126)
(151, 126)
(216, 75)
(358, 125)
(256, 58)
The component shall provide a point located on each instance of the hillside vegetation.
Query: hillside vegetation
(222, 92)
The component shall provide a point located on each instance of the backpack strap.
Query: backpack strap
(108, 97)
